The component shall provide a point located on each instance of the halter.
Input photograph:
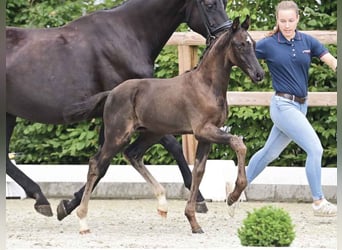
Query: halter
(212, 32)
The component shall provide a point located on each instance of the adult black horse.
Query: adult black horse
(49, 69)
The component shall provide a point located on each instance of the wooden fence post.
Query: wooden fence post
(187, 59)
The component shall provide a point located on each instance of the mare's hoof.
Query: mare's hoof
(197, 231)
(61, 210)
(163, 214)
(44, 210)
(201, 207)
(86, 231)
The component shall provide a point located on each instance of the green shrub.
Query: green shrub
(267, 226)
(52, 144)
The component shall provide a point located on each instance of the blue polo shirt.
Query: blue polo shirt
(289, 61)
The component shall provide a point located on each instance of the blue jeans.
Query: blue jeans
(290, 124)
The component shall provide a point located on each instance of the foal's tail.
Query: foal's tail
(90, 108)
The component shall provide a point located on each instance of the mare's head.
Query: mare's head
(207, 17)
(239, 49)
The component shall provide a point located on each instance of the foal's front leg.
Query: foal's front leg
(237, 144)
(172, 145)
(202, 153)
(216, 135)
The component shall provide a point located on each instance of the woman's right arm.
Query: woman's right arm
(330, 60)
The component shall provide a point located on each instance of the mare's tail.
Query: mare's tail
(90, 108)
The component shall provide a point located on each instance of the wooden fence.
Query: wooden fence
(187, 44)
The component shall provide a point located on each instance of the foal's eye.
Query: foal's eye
(210, 6)
(240, 46)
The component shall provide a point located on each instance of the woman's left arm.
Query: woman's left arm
(330, 60)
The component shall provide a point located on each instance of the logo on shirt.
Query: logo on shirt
(306, 51)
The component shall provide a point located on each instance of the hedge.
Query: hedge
(37, 143)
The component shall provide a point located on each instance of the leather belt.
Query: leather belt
(300, 100)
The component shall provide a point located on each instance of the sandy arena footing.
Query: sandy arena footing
(135, 224)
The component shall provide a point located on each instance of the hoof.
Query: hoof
(201, 207)
(44, 210)
(61, 210)
(230, 200)
(87, 231)
(231, 210)
(163, 214)
(232, 205)
(197, 231)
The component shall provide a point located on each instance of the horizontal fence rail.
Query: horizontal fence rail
(187, 44)
(194, 39)
(315, 99)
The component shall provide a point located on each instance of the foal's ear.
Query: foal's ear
(246, 23)
(236, 24)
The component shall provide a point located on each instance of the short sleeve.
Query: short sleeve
(317, 48)
(260, 50)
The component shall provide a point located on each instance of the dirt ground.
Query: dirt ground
(136, 224)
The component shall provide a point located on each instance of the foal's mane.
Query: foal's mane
(222, 40)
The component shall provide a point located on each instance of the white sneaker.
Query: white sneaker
(325, 209)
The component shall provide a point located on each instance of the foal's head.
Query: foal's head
(239, 49)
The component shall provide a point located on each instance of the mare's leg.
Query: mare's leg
(134, 153)
(31, 188)
(215, 135)
(65, 207)
(172, 145)
(202, 153)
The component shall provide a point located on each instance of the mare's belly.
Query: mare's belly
(38, 107)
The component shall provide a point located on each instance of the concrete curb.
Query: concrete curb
(122, 181)
(239, 248)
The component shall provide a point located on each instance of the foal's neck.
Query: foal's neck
(215, 68)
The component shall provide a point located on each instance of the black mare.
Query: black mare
(48, 69)
(192, 103)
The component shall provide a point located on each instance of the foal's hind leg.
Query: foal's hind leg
(172, 145)
(98, 165)
(134, 153)
(65, 207)
(31, 188)
(95, 163)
